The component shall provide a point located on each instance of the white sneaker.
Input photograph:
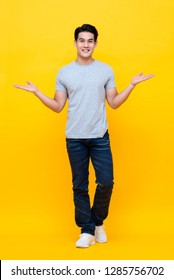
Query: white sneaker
(85, 240)
(100, 235)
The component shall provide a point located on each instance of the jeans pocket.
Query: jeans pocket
(73, 145)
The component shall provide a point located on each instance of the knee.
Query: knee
(107, 188)
(80, 187)
(106, 182)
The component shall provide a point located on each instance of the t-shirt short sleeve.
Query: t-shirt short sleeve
(111, 79)
(59, 83)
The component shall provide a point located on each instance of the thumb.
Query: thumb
(29, 83)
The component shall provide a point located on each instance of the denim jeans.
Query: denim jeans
(80, 151)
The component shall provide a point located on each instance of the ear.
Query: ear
(75, 43)
(96, 44)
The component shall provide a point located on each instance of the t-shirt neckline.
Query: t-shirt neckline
(84, 65)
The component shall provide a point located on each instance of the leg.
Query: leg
(79, 160)
(102, 161)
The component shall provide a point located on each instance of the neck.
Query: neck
(84, 61)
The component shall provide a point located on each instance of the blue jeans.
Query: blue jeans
(80, 151)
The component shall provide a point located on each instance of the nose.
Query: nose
(86, 43)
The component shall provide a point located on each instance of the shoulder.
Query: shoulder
(68, 67)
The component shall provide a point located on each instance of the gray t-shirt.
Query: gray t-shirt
(86, 86)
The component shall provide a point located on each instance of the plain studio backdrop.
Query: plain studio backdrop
(36, 207)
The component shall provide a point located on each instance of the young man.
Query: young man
(87, 83)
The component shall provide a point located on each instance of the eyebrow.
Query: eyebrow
(90, 39)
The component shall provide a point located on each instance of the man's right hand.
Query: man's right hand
(29, 87)
(56, 104)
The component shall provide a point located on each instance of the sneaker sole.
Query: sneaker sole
(92, 242)
(99, 241)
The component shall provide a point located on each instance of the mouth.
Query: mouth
(85, 50)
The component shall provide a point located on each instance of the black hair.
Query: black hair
(86, 28)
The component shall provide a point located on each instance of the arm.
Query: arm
(56, 104)
(115, 100)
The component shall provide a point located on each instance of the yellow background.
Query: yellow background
(36, 208)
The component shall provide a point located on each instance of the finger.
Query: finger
(20, 87)
(29, 83)
(17, 86)
(149, 76)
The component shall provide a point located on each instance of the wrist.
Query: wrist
(132, 85)
(36, 91)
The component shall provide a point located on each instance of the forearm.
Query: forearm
(115, 100)
(120, 98)
(51, 103)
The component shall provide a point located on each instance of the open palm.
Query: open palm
(140, 78)
(29, 87)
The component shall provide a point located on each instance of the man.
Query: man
(87, 83)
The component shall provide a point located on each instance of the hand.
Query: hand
(30, 87)
(140, 78)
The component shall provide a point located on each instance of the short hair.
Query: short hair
(86, 28)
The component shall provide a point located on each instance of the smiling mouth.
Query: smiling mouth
(86, 51)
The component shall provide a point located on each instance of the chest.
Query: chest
(85, 81)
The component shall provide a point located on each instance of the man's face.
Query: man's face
(85, 44)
